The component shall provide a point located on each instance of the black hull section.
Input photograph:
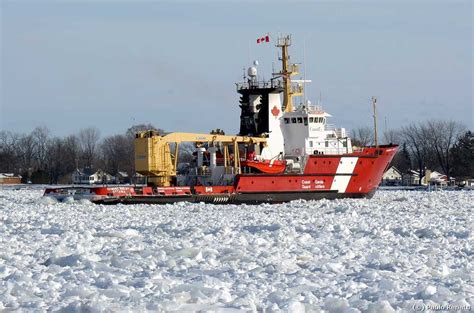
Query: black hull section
(241, 198)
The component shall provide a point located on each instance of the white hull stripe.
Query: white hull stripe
(346, 166)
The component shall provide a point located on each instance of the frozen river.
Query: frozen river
(401, 250)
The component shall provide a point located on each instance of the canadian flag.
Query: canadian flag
(265, 38)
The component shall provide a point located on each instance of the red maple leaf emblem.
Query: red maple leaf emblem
(275, 111)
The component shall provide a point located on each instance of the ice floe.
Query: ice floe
(386, 254)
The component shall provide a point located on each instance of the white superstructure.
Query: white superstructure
(275, 142)
(268, 109)
(306, 131)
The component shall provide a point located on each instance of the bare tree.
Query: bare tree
(61, 158)
(402, 160)
(54, 160)
(40, 136)
(392, 136)
(362, 136)
(72, 151)
(88, 139)
(142, 127)
(442, 136)
(25, 149)
(116, 152)
(186, 150)
(8, 153)
(415, 140)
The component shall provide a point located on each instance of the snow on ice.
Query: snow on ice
(386, 254)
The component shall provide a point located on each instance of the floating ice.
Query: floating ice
(348, 255)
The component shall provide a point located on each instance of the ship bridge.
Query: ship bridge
(268, 110)
(306, 131)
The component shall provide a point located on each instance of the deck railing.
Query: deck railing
(260, 84)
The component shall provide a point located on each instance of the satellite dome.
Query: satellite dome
(252, 71)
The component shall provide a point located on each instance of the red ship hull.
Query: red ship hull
(354, 175)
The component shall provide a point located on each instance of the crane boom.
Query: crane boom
(154, 159)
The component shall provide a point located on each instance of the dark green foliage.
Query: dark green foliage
(402, 160)
(463, 156)
(40, 177)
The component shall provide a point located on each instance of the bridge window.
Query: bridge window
(311, 120)
(287, 120)
(293, 120)
(305, 121)
(300, 120)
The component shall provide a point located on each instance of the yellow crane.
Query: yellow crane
(154, 157)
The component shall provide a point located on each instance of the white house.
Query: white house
(435, 178)
(87, 176)
(392, 177)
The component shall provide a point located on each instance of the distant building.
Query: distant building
(122, 178)
(392, 177)
(82, 176)
(9, 179)
(139, 179)
(469, 183)
(89, 177)
(436, 178)
(411, 178)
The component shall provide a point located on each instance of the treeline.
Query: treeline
(42, 158)
(443, 146)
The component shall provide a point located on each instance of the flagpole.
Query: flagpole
(304, 69)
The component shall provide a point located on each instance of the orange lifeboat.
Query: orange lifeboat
(266, 166)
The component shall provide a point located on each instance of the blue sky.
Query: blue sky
(112, 64)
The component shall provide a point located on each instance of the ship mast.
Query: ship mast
(287, 70)
(374, 107)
